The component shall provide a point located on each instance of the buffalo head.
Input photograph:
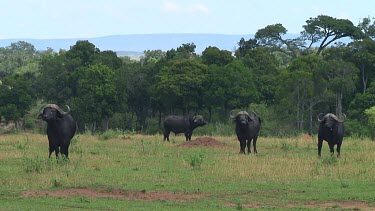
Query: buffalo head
(52, 112)
(329, 120)
(242, 117)
(199, 121)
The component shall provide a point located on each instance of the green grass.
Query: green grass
(286, 173)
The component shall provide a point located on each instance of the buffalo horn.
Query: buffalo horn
(319, 120)
(254, 113)
(232, 116)
(336, 118)
(58, 108)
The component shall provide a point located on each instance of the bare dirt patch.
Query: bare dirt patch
(339, 205)
(105, 192)
(305, 137)
(203, 142)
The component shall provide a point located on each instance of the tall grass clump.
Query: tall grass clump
(36, 164)
(23, 145)
(110, 134)
(149, 147)
(75, 145)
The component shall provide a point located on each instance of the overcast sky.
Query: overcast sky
(95, 18)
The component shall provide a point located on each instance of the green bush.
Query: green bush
(110, 134)
(357, 129)
(29, 123)
(153, 126)
(215, 129)
(196, 160)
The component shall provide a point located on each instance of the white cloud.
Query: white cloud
(198, 8)
(170, 6)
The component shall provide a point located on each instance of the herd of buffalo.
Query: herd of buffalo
(61, 128)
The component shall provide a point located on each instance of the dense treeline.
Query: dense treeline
(287, 81)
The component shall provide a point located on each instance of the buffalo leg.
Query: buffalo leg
(64, 151)
(166, 135)
(248, 146)
(242, 145)
(57, 151)
(188, 136)
(255, 145)
(320, 144)
(331, 148)
(51, 149)
(338, 149)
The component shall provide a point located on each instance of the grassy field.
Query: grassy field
(137, 172)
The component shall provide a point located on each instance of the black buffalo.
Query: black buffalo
(61, 128)
(247, 129)
(182, 124)
(331, 129)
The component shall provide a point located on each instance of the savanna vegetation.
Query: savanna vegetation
(120, 171)
(118, 160)
(287, 81)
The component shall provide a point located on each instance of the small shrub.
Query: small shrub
(56, 183)
(317, 167)
(331, 160)
(23, 145)
(239, 207)
(196, 160)
(62, 160)
(285, 146)
(110, 134)
(29, 123)
(344, 184)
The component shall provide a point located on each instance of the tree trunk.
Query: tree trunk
(338, 103)
(105, 124)
(159, 119)
(93, 130)
(209, 113)
(364, 79)
(298, 109)
(310, 118)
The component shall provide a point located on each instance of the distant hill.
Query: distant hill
(140, 42)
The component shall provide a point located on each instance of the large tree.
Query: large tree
(96, 99)
(18, 57)
(367, 26)
(265, 68)
(179, 85)
(231, 86)
(273, 36)
(215, 56)
(362, 54)
(244, 46)
(302, 86)
(18, 95)
(326, 30)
